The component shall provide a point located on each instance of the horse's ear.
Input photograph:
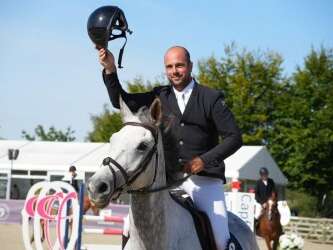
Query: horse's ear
(155, 111)
(125, 112)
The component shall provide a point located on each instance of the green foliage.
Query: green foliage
(291, 115)
(303, 203)
(138, 85)
(51, 135)
(104, 125)
(250, 81)
(302, 138)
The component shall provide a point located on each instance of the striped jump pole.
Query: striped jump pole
(106, 231)
(107, 218)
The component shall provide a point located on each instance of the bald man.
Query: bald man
(196, 116)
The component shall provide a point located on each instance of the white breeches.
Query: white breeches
(257, 210)
(208, 195)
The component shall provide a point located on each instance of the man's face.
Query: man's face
(264, 176)
(178, 68)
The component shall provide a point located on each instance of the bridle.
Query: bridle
(112, 163)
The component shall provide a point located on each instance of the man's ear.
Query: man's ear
(155, 111)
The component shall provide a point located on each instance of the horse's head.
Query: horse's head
(271, 206)
(132, 150)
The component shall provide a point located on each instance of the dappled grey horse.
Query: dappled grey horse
(136, 165)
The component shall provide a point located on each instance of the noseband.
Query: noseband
(111, 163)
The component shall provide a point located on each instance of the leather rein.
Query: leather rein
(112, 164)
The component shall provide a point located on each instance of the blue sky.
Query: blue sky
(50, 75)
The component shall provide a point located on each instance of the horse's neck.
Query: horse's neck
(148, 218)
(149, 212)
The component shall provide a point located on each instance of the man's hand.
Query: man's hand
(194, 166)
(106, 59)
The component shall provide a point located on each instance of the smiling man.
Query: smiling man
(195, 116)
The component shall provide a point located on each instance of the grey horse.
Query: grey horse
(137, 165)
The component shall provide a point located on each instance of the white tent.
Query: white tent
(247, 161)
(46, 156)
(87, 157)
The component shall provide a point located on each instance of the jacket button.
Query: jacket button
(180, 160)
(181, 143)
(182, 124)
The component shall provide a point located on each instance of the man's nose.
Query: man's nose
(174, 70)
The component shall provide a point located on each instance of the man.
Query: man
(265, 186)
(196, 116)
(73, 180)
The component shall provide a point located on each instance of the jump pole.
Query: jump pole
(81, 200)
(105, 231)
(115, 219)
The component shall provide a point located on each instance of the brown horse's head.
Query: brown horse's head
(271, 208)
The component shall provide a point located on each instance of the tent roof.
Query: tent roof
(247, 161)
(37, 155)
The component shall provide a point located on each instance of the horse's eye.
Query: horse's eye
(142, 146)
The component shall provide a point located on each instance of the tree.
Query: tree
(292, 116)
(302, 139)
(250, 82)
(104, 125)
(138, 85)
(51, 135)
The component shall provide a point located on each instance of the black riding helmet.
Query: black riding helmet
(263, 171)
(106, 24)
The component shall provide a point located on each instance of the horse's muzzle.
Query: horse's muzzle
(99, 192)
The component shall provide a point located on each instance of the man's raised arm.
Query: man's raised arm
(110, 77)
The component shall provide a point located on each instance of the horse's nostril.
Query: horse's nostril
(102, 188)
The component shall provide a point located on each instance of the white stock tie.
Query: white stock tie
(182, 103)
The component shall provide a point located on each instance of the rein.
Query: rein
(111, 163)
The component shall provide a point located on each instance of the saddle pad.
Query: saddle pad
(233, 243)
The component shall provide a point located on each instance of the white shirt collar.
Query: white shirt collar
(184, 95)
(187, 90)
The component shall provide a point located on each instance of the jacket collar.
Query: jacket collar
(174, 104)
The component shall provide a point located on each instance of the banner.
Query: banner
(242, 205)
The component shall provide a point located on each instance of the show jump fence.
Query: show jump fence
(108, 230)
(316, 230)
(87, 230)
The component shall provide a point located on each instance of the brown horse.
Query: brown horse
(269, 226)
(87, 204)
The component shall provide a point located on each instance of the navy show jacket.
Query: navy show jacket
(195, 132)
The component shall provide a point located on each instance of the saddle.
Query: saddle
(201, 222)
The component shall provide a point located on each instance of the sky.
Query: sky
(49, 70)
